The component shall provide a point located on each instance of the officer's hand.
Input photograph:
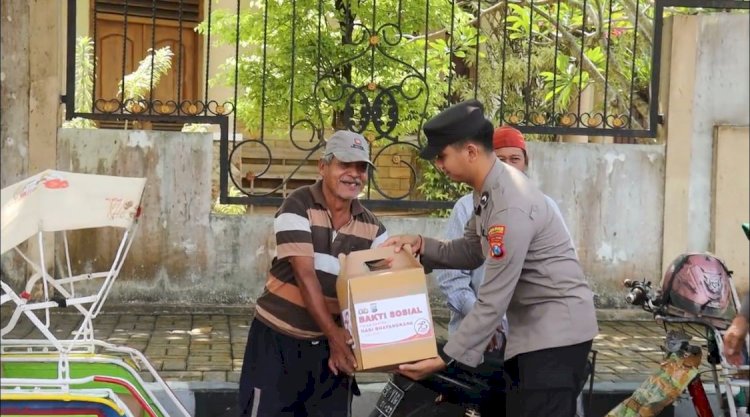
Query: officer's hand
(342, 358)
(496, 341)
(415, 241)
(421, 369)
(492, 345)
(734, 339)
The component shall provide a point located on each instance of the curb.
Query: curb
(439, 312)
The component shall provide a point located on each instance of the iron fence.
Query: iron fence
(299, 69)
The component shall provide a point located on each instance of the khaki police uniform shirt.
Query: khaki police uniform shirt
(531, 271)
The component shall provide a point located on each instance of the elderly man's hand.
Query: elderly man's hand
(342, 358)
(734, 338)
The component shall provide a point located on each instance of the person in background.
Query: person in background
(298, 359)
(734, 337)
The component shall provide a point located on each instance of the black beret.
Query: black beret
(458, 122)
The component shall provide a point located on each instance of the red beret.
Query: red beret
(507, 137)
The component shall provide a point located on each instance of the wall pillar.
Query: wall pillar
(45, 86)
(14, 95)
(679, 132)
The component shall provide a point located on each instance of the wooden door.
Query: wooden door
(175, 85)
(186, 58)
(109, 55)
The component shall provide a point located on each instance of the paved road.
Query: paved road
(202, 347)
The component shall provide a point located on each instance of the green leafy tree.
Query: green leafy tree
(303, 59)
(316, 58)
(136, 84)
(324, 54)
(84, 83)
(573, 48)
(84, 73)
(149, 72)
(229, 209)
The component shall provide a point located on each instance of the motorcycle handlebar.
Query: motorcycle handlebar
(641, 294)
(636, 296)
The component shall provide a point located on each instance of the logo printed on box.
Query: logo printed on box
(393, 320)
(422, 327)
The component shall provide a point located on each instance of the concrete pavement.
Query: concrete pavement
(199, 349)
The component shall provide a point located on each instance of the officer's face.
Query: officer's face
(343, 180)
(512, 156)
(453, 162)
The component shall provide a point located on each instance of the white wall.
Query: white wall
(709, 87)
(609, 194)
(722, 91)
(611, 197)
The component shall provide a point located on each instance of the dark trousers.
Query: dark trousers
(284, 376)
(546, 382)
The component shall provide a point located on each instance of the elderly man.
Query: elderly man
(298, 360)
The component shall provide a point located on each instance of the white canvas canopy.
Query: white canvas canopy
(57, 201)
(53, 201)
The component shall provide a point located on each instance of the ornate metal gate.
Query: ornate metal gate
(300, 69)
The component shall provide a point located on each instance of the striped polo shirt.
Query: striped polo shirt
(303, 228)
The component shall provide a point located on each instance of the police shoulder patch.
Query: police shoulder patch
(495, 237)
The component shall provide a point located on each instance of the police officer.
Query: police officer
(531, 271)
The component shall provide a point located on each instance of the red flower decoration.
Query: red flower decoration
(55, 183)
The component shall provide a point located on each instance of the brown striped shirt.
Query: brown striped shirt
(303, 228)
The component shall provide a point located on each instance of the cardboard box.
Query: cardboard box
(386, 310)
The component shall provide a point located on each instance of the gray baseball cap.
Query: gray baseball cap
(348, 146)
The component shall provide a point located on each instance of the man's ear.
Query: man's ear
(321, 166)
(473, 151)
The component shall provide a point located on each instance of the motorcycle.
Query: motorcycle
(679, 373)
(457, 391)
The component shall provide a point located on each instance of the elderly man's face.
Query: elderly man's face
(343, 180)
(513, 157)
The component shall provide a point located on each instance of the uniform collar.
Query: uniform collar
(490, 181)
(317, 193)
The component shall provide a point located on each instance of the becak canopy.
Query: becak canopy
(53, 201)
